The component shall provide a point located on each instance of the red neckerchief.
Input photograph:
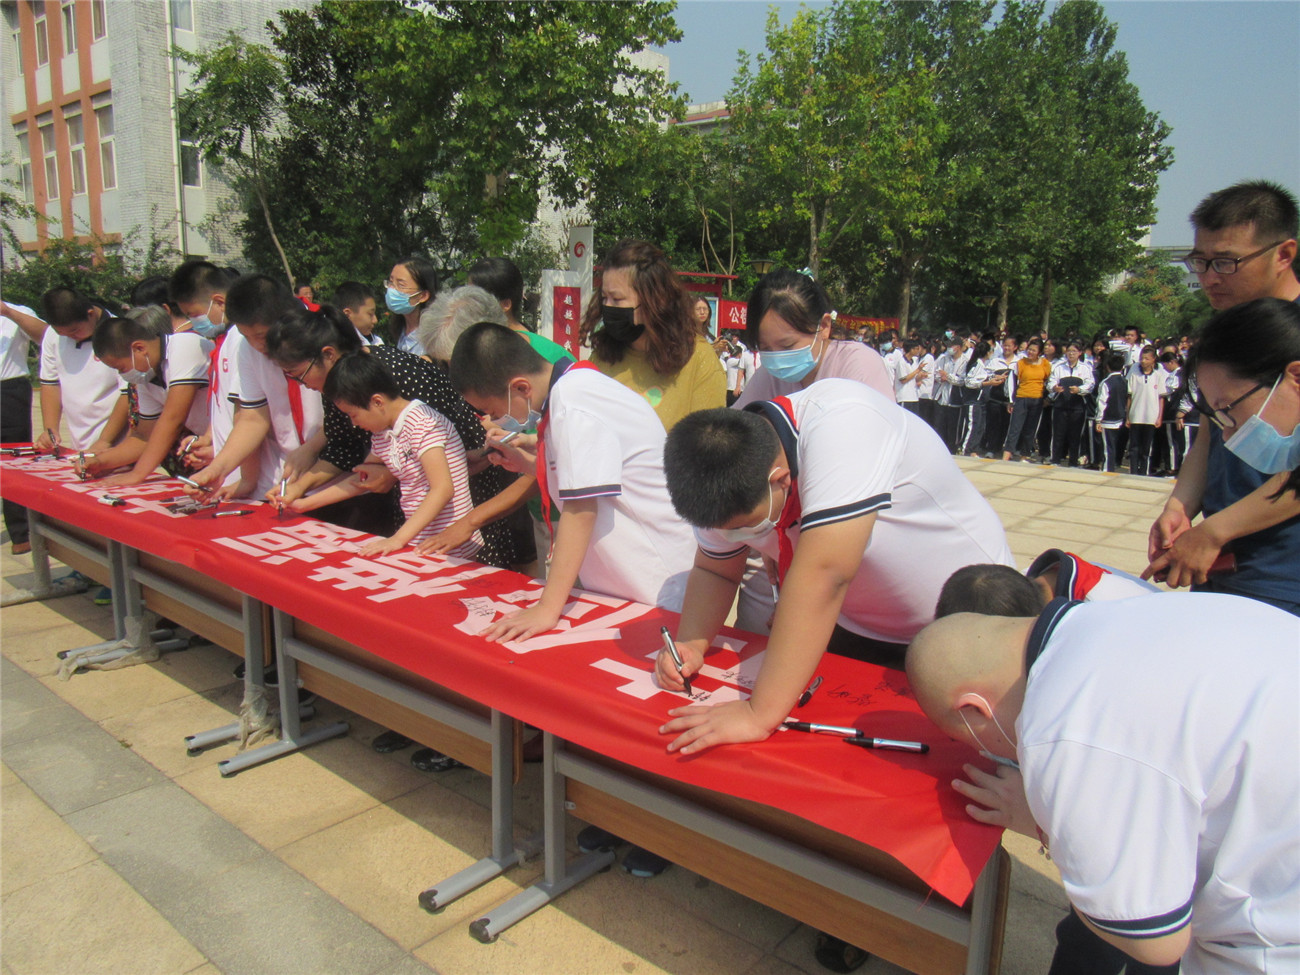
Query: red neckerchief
(779, 412)
(541, 446)
(212, 368)
(295, 389)
(793, 509)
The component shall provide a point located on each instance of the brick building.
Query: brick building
(91, 136)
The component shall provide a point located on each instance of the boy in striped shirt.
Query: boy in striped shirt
(414, 441)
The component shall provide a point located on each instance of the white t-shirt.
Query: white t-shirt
(1145, 390)
(925, 385)
(88, 389)
(186, 361)
(420, 428)
(260, 382)
(909, 391)
(604, 441)
(855, 452)
(13, 345)
(1160, 745)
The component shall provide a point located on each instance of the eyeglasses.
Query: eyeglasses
(302, 376)
(1223, 265)
(402, 286)
(1223, 418)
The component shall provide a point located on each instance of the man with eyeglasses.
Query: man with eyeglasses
(1245, 248)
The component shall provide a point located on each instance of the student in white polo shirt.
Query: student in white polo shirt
(277, 419)
(168, 374)
(75, 386)
(1162, 775)
(865, 513)
(601, 448)
(19, 328)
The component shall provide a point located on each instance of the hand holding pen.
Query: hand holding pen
(674, 662)
(671, 646)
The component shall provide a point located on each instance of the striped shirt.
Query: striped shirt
(419, 429)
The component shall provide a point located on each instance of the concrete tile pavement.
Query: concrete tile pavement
(120, 853)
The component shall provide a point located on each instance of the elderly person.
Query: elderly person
(442, 323)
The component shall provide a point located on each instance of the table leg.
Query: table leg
(560, 875)
(505, 853)
(292, 737)
(43, 587)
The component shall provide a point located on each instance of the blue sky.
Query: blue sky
(1225, 74)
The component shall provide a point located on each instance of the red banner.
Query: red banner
(590, 681)
(567, 320)
(732, 314)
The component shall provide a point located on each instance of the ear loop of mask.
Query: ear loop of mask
(1008, 762)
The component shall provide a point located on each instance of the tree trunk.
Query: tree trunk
(266, 211)
(814, 246)
(1047, 299)
(1004, 299)
(905, 298)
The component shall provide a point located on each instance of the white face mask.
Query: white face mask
(1008, 762)
(752, 533)
(136, 376)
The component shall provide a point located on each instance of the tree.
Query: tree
(230, 114)
(438, 127)
(832, 127)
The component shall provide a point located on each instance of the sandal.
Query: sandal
(837, 955)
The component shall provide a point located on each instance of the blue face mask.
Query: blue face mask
(399, 302)
(136, 376)
(791, 365)
(510, 424)
(886, 346)
(1262, 447)
(204, 325)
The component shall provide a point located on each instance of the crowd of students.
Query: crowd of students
(652, 471)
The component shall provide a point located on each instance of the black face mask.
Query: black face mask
(619, 324)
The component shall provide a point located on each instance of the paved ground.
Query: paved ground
(120, 854)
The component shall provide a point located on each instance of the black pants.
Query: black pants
(846, 643)
(1140, 437)
(1022, 431)
(16, 427)
(1112, 450)
(1079, 951)
(1067, 429)
(945, 424)
(996, 419)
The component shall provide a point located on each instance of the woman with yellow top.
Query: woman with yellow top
(642, 333)
(1031, 374)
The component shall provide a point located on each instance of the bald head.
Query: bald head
(967, 655)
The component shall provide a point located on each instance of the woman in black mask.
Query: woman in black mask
(643, 334)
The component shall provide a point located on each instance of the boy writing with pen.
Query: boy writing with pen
(863, 509)
(599, 457)
(418, 444)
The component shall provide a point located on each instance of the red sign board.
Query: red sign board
(567, 320)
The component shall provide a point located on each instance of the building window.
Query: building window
(51, 157)
(182, 14)
(107, 154)
(69, 28)
(42, 39)
(191, 165)
(98, 20)
(25, 166)
(15, 31)
(77, 149)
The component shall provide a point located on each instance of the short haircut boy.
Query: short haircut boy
(63, 307)
(352, 295)
(717, 464)
(487, 356)
(991, 590)
(257, 299)
(113, 336)
(358, 377)
(196, 280)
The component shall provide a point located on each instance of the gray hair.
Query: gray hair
(449, 314)
(152, 317)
